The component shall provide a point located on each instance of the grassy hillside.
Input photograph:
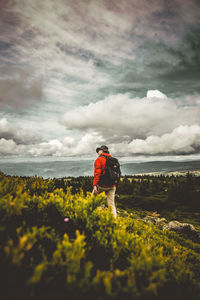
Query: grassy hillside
(58, 243)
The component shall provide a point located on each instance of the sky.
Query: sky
(78, 74)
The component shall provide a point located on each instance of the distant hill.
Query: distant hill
(58, 169)
(159, 166)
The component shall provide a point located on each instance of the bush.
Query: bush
(90, 254)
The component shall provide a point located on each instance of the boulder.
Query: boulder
(186, 228)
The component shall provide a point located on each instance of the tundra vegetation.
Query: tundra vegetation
(59, 241)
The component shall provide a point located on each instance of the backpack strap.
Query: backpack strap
(104, 156)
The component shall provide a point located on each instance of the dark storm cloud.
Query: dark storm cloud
(73, 42)
(11, 26)
(186, 73)
(17, 88)
(173, 69)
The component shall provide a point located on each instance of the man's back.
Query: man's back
(99, 170)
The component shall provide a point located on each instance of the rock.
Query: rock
(150, 219)
(154, 220)
(161, 221)
(181, 227)
(185, 228)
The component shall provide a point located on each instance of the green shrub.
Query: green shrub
(91, 254)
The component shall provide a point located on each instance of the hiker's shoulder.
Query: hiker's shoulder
(102, 157)
(105, 154)
(101, 160)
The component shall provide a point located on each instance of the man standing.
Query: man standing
(99, 171)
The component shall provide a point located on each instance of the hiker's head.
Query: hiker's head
(102, 149)
(99, 151)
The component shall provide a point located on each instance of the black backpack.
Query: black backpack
(112, 172)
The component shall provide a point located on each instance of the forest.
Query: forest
(59, 241)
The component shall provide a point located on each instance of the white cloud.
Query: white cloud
(48, 148)
(151, 125)
(182, 140)
(7, 147)
(88, 144)
(19, 135)
(119, 117)
(156, 94)
(5, 127)
(68, 147)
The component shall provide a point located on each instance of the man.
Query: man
(99, 169)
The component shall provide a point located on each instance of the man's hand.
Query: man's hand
(95, 191)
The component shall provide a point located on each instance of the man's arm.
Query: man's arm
(97, 173)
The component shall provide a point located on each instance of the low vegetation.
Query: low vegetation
(59, 241)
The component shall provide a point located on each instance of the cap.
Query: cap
(103, 147)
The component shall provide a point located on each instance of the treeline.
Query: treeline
(160, 192)
(35, 185)
(146, 191)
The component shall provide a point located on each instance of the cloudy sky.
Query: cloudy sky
(78, 74)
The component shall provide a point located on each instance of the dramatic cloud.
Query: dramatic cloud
(10, 132)
(7, 147)
(182, 140)
(121, 118)
(106, 30)
(91, 49)
(68, 147)
(7, 131)
(94, 61)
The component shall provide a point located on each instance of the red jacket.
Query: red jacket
(99, 168)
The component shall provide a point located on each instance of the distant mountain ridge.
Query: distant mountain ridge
(60, 169)
(159, 166)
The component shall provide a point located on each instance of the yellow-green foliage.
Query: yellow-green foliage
(91, 254)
